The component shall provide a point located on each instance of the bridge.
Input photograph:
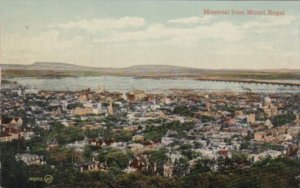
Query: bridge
(262, 82)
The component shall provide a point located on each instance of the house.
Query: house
(95, 142)
(174, 157)
(278, 134)
(83, 97)
(223, 153)
(269, 153)
(238, 113)
(130, 128)
(167, 141)
(7, 134)
(136, 95)
(260, 136)
(251, 118)
(269, 124)
(30, 159)
(27, 135)
(52, 146)
(137, 138)
(11, 121)
(207, 153)
(8, 137)
(78, 145)
(150, 145)
(82, 111)
(168, 169)
(230, 122)
(90, 166)
(31, 91)
(136, 148)
(139, 163)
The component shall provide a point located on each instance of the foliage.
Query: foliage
(155, 133)
(74, 105)
(207, 118)
(64, 134)
(115, 157)
(280, 172)
(283, 119)
(185, 110)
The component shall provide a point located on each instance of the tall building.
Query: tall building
(125, 96)
(274, 110)
(269, 108)
(110, 109)
(208, 106)
(267, 101)
(251, 118)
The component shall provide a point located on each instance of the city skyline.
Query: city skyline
(123, 34)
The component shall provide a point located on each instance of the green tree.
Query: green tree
(284, 119)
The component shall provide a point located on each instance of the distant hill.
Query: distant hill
(56, 69)
(67, 66)
(136, 70)
(46, 66)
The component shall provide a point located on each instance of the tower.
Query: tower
(208, 106)
(267, 102)
(110, 109)
(124, 96)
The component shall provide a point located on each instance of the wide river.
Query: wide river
(159, 85)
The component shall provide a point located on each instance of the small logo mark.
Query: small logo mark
(48, 179)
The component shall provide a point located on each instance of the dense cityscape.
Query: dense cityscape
(179, 138)
(149, 94)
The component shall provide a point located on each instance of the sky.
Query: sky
(127, 33)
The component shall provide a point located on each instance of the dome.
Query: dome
(267, 101)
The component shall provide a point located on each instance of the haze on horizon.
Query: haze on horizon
(124, 34)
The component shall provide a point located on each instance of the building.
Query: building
(269, 124)
(251, 118)
(11, 121)
(136, 95)
(110, 109)
(30, 159)
(138, 138)
(91, 166)
(9, 136)
(31, 91)
(136, 148)
(82, 111)
(168, 169)
(267, 102)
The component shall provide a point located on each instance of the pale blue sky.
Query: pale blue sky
(125, 33)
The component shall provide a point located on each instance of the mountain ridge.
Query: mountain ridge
(57, 69)
(39, 65)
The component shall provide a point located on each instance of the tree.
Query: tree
(157, 158)
(284, 119)
(181, 167)
(115, 157)
(203, 166)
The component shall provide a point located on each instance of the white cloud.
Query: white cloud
(155, 31)
(222, 30)
(192, 20)
(271, 21)
(102, 24)
(46, 46)
(49, 41)
(238, 44)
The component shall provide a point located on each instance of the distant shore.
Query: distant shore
(201, 74)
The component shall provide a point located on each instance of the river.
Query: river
(151, 85)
